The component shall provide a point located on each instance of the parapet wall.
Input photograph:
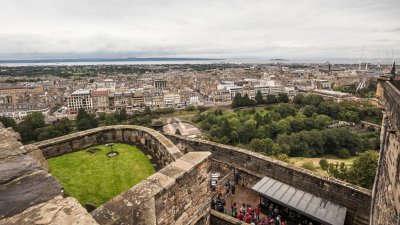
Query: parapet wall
(356, 199)
(178, 194)
(386, 191)
(158, 145)
(28, 193)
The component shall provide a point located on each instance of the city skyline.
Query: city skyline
(257, 29)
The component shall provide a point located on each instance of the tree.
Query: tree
(259, 98)
(312, 99)
(248, 131)
(247, 101)
(285, 110)
(102, 116)
(28, 126)
(271, 99)
(62, 126)
(283, 97)
(111, 119)
(177, 132)
(364, 168)
(147, 110)
(85, 120)
(344, 153)
(262, 145)
(237, 101)
(8, 122)
(259, 119)
(121, 115)
(298, 99)
(35, 120)
(324, 164)
(309, 110)
(329, 108)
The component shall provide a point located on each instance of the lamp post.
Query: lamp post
(110, 145)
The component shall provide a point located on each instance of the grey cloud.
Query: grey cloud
(230, 28)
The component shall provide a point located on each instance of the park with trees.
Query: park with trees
(302, 128)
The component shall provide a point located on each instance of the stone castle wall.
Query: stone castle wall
(255, 166)
(386, 191)
(177, 194)
(28, 193)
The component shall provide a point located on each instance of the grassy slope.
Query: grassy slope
(96, 178)
(298, 161)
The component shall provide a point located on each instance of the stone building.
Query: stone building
(22, 90)
(100, 100)
(18, 111)
(122, 100)
(160, 84)
(138, 99)
(80, 99)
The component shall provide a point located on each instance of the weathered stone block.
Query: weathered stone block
(29, 190)
(17, 166)
(57, 211)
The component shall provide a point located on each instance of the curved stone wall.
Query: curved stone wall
(254, 166)
(158, 145)
(176, 194)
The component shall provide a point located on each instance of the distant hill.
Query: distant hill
(130, 59)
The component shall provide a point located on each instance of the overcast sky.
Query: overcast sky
(204, 28)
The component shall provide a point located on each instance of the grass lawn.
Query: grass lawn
(298, 161)
(96, 178)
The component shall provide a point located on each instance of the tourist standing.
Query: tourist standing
(234, 210)
(240, 216)
(248, 218)
(233, 189)
(227, 188)
(237, 177)
(257, 212)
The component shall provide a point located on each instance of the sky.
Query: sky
(34, 29)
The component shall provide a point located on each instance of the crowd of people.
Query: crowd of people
(265, 213)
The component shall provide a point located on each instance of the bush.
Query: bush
(283, 157)
(324, 164)
(308, 165)
(344, 153)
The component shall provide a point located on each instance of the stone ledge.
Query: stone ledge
(58, 211)
(225, 218)
(169, 146)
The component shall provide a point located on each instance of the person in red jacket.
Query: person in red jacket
(248, 218)
(257, 212)
(249, 209)
(240, 216)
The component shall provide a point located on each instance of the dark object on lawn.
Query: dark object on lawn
(93, 150)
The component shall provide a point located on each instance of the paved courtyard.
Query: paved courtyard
(247, 196)
(186, 129)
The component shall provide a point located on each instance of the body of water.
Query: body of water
(72, 62)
